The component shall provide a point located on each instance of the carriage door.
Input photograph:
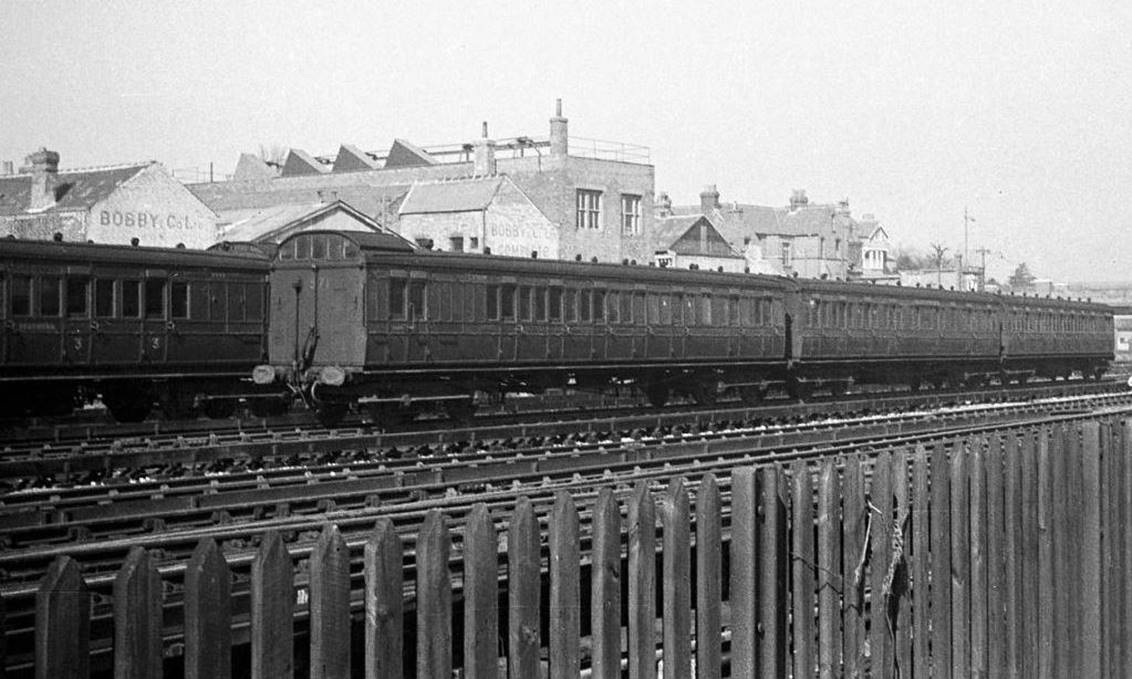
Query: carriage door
(77, 327)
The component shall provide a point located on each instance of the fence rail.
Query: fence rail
(993, 555)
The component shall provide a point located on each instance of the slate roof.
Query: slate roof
(74, 189)
(668, 230)
(736, 221)
(469, 195)
(233, 200)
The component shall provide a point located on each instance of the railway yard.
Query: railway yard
(555, 538)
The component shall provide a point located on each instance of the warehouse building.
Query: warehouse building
(597, 195)
(139, 203)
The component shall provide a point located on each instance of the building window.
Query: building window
(456, 243)
(630, 215)
(787, 256)
(474, 243)
(589, 209)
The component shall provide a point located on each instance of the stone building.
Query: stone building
(103, 204)
(598, 195)
(690, 241)
(482, 214)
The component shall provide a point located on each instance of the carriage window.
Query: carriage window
(507, 302)
(397, 297)
(179, 299)
(652, 307)
(678, 310)
(570, 314)
(78, 297)
(627, 308)
(155, 298)
(254, 296)
(303, 247)
(665, 302)
(525, 302)
(614, 311)
(555, 306)
(540, 304)
(49, 291)
(705, 309)
(493, 302)
(599, 305)
(318, 247)
(21, 296)
(584, 314)
(733, 310)
(104, 298)
(287, 251)
(417, 306)
(131, 299)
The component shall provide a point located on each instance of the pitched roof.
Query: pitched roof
(268, 223)
(299, 162)
(74, 189)
(468, 195)
(737, 221)
(668, 230)
(404, 153)
(251, 166)
(350, 158)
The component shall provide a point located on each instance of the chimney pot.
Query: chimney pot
(484, 129)
(558, 107)
(559, 136)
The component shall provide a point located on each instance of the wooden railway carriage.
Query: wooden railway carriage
(364, 318)
(853, 332)
(133, 324)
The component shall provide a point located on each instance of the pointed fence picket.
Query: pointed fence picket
(1003, 554)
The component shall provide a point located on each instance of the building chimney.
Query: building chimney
(44, 167)
(709, 199)
(664, 204)
(484, 155)
(798, 199)
(559, 139)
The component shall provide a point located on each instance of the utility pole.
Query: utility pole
(983, 267)
(967, 219)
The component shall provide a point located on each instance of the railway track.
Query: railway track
(620, 466)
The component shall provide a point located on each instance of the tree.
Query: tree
(275, 154)
(1021, 278)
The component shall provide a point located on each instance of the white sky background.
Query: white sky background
(1023, 111)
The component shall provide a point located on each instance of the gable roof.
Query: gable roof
(74, 189)
(270, 222)
(667, 230)
(468, 195)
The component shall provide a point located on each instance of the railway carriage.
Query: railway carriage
(364, 318)
(135, 325)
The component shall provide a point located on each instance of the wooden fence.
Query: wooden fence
(1000, 556)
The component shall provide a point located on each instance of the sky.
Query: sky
(1020, 112)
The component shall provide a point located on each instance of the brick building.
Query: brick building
(481, 214)
(598, 195)
(802, 238)
(103, 204)
(690, 241)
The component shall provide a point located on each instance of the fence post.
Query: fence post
(802, 564)
(677, 583)
(1091, 553)
(978, 568)
(273, 607)
(941, 562)
(434, 598)
(137, 618)
(900, 586)
(642, 584)
(774, 553)
(999, 559)
(565, 600)
(829, 561)
(62, 623)
(855, 516)
(920, 563)
(330, 605)
(208, 614)
(1014, 546)
(1045, 519)
(1063, 558)
(523, 590)
(960, 563)
(384, 582)
(709, 590)
(1029, 564)
(742, 561)
(605, 602)
(880, 625)
(481, 595)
